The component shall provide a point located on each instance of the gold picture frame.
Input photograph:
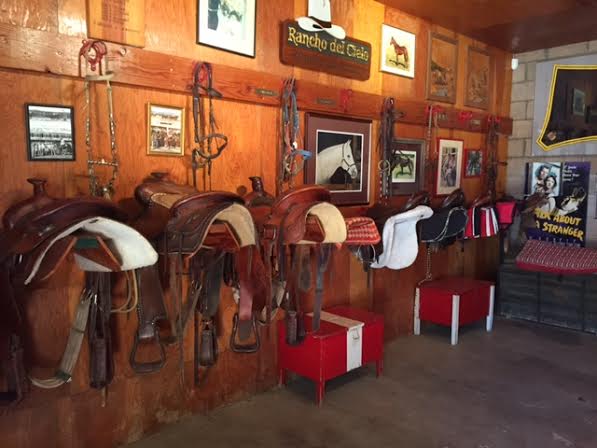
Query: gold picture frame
(165, 130)
(442, 75)
(479, 79)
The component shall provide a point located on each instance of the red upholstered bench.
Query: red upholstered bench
(454, 302)
(348, 338)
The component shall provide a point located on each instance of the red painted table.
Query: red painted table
(454, 302)
(347, 338)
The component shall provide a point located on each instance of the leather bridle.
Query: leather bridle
(212, 143)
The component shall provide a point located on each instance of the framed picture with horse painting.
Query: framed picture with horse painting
(397, 51)
(449, 166)
(442, 75)
(165, 130)
(228, 25)
(473, 162)
(341, 150)
(478, 78)
(408, 169)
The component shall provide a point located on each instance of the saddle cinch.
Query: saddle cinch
(214, 233)
(38, 234)
(299, 221)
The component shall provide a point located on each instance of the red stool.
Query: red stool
(454, 302)
(347, 338)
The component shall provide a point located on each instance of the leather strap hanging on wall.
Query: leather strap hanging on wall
(210, 143)
(292, 158)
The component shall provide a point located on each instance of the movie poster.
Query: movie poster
(563, 216)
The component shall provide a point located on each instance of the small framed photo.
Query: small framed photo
(397, 51)
(578, 102)
(443, 68)
(228, 25)
(408, 168)
(165, 130)
(50, 133)
(341, 151)
(478, 79)
(473, 162)
(449, 166)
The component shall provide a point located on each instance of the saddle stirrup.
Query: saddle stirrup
(244, 348)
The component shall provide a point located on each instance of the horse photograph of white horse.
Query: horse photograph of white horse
(338, 161)
(340, 157)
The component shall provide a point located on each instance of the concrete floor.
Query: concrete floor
(521, 386)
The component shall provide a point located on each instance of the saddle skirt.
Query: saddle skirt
(400, 242)
(444, 225)
(183, 216)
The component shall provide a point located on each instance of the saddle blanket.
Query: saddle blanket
(541, 256)
(482, 223)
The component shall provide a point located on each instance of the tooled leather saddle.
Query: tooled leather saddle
(38, 234)
(298, 220)
(212, 232)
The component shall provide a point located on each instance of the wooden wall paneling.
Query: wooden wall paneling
(35, 14)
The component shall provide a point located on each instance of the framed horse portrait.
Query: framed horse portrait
(442, 75)
(397, 51)
(473, 162)
(449, 166)
(478, 78)
(165, 130)
(228, 25)
(340, 161)
(408, 168)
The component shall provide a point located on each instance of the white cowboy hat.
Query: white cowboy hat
(320, 19)
(314, 25)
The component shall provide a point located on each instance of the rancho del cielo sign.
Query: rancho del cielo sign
(320, 51)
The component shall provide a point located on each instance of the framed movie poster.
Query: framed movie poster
(408, 168)
(228, 25)
(165, 130)
(341, 152)
(50, 133)
(397, 51)
(442, 76)
(478, 78)
(449, 166)
(473, 162)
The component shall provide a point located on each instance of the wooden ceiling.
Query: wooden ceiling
(513, 25)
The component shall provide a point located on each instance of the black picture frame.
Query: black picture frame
(203, 5)
(405, 146)
(57, 144)
(320, 129)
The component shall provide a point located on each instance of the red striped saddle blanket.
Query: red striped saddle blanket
(541, 256)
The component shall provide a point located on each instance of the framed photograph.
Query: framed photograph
(397, 51)
(165, 130)
(408, 168)
(478, 79)
(50, 133)
(578, 103)
(538, 174)
(449, 166)
(473, 162)
(228, 25)
(442, 76)
(341, 151)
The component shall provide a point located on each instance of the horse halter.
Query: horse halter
(93, 51)
(344, 161)
(206, 151)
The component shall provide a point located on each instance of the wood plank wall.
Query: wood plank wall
(73, 415)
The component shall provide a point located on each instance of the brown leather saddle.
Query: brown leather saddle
(214, 234)
(38, 234)
(300, 221)
(447, 222)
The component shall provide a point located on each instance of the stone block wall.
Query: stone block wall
(522, 111)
